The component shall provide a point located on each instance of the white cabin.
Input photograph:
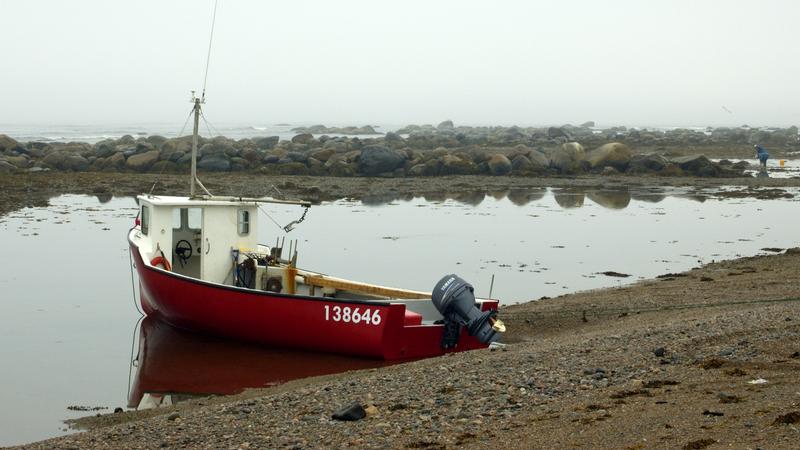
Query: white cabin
(211, 228)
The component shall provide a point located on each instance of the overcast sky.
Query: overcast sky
(395, 62)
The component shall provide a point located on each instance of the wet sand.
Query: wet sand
(663, 363)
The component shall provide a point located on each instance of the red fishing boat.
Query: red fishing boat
(200, 267)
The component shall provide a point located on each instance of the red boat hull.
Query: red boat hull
(291, 321)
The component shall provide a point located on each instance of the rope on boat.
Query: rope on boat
(133, 285)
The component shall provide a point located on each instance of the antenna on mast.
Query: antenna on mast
(196, 110)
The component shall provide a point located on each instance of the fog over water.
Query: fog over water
(673, 63)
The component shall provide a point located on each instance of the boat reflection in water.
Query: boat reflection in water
(175, 365)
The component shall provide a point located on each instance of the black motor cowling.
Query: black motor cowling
(455, 300)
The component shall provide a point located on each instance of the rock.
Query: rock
(613, 154)
(297, 157)
(589, 124)
(215, 163)
(335, 145)
(266, 143)
(697, 165)
(446, 125)
(117, 160)
(155, 140)
(338, 166)
(303, 138)
(568, 158)
(173, 417)
(7, 143)
(417, 170)
(323, 154)
(143, 161)
(725, 397)
(454, 165)
(660, 351)
(55, 160)
(521, 164)
(377, 159)
(394, 140)
(6, 167)
(646, 163)
(21, 162)
(609, 171)
(104, 149)
(556, 132)
(118, 410)
(499, 164)
(351, 412)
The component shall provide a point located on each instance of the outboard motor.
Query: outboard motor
(455, 300)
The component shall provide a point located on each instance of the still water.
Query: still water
(69, 328)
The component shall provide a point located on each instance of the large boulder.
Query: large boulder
(377, 159)
(499, 164)
(6, 167)
(142, 162)
(117, 161)
(215, 163)
(455, 165)
(521, 164)
(697, 165)
(558, 132)
(613, 154)
(647, 163)
(21, 162)
(104, 149)
(75, 163)
(303, 138)
(266, 143)
(539, 160)
(394, 140)
(8, 145)
(323, 154)
(568, 158)
(338, 166)
(446, 125)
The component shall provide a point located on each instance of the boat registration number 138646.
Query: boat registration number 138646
(352, 315)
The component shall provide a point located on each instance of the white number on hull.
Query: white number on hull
(353, 315)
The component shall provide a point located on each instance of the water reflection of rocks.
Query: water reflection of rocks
(575, 197)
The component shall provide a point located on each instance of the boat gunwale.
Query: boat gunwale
(270, 293)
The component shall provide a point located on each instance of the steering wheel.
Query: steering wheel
(184, 251)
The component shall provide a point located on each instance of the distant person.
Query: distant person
(762, 156)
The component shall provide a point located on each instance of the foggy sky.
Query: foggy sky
(656, 63)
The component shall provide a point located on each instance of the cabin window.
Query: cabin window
(145, 220)
(244, 221)
(187, 218)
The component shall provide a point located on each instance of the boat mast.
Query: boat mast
(197, 101)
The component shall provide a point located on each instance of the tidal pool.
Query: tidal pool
(68, 324)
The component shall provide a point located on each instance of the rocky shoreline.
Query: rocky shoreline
(706, 358)
(418, 151)
(31, 189)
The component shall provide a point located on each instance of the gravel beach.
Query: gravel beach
(707, 358)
